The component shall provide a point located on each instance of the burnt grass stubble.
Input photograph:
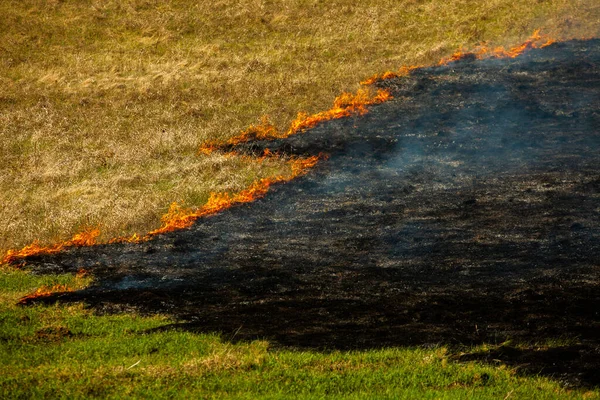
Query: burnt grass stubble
(463, 211)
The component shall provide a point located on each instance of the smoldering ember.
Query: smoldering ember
(465, 210)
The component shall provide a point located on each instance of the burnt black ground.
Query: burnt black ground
(464, 211)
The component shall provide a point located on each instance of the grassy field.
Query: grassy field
(103, 107)
(104, 104)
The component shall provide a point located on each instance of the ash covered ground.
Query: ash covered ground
(463, 211)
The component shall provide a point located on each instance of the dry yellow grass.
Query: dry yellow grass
(103, 104)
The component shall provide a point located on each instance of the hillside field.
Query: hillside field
(104, 106)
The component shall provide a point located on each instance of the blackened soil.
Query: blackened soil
(464, 211)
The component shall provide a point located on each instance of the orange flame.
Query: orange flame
(403, 71)
(176, 218)
(345, 105)
(82, 273)
(84, 238)
(46, 291)
(179, 218)
(535, 41)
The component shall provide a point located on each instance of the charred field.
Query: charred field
(463, 211)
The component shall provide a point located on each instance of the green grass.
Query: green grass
(66, 351)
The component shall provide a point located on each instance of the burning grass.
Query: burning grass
(101, 122)
(179, 218)
(536, 40)
(176, 218)
(84, 238)
(80, 280)
(345, 105)
(68, 350)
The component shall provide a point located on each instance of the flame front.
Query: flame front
(345, 105)
(403, 71)
(44, 291)
(84, 238)
(47, 291)
(179, 218)
(176, 218)
(535, 41)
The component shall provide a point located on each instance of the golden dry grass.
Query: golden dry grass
(103, 104)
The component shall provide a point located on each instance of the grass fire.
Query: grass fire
(345, 105)
(186, 222)
(467, 199)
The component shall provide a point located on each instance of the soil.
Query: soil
(464, 211)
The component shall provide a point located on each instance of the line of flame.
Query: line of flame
(345, 105)
(179, 218)
(403, 71)
(85, 238)
(46, 291)
(176, 218)
(536, 40)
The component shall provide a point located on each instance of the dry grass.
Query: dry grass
(103, 104)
